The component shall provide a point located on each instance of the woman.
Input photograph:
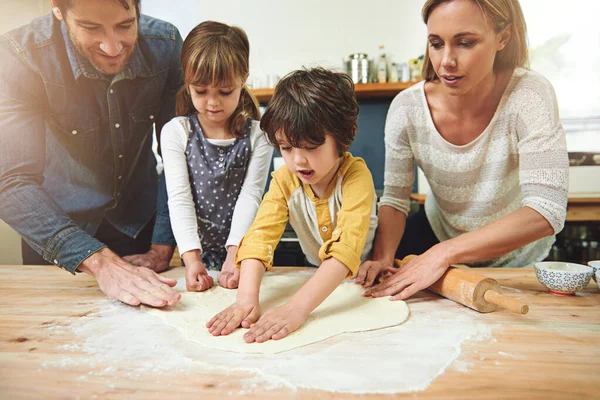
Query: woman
(487, 135)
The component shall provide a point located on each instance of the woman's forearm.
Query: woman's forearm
(509, 233)
(390, 228)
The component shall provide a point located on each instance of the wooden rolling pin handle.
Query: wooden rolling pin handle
(505, 302)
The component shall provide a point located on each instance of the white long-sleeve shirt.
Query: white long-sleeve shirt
(519, 160)
(174, 138)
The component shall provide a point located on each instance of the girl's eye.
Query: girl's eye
(200, 91)
(436, 45)
(226, 93)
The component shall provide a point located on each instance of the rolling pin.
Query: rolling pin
(472, 290)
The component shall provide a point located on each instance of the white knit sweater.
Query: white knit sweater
(519, 160)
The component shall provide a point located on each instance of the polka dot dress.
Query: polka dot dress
(216, 176)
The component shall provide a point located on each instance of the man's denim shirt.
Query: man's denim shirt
(75, 146)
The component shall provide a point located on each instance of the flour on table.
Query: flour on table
(399, 359)
(345, 310)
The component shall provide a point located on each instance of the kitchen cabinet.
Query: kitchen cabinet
(362, 90)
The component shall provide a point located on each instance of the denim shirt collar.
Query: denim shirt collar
(136, 65)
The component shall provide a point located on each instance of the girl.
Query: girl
(486, 132)
(216, 158)
(327, 195)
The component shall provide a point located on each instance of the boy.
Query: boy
(326, 193)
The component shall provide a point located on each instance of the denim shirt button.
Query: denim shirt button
(74, 132)
(111, 91)
(151, 117)
(117, 125)
(120, 155)
(55, 261)
(120, 177)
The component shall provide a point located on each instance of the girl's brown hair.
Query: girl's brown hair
(216, 54)
(502, 13)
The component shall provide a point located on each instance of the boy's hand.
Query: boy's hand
(228, 320)
(197, 278)
(229, 277)
(276, 324)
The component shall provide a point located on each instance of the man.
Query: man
(82, 89)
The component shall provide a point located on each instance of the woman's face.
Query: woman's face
(462, 45)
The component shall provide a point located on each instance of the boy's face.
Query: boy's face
(313, 165)
(102, 31)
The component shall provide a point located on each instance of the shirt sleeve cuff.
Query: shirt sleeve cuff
(344, 254)
(262, 252)
(70, 248)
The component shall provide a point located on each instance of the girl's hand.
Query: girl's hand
(229, 277)
(420, 273)
(239, 313)
(369, 271)
(276, 324)
(196, 278)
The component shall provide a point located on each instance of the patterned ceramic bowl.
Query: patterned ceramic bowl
(596, 267)
(597, 276)
(563, 278)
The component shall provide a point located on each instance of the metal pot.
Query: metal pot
(358, 66)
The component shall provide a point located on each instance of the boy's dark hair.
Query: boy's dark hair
(64, 5)
(310, 103)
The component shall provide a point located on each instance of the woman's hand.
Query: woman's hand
(197, 278)
(240, 313)
(276, 324)
(420, 273)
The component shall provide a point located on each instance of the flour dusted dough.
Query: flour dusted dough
(345, 310)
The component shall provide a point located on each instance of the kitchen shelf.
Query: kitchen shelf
(362, 90)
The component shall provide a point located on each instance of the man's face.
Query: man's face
(102, 31)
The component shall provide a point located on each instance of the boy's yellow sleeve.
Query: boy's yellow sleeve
(353, 219)
(265, 232)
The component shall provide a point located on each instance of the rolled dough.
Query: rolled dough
(345, 310)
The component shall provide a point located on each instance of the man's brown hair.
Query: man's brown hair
(64, 5)
(308, 104)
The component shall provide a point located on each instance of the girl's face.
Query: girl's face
(313, 165)
(462, 45)
(216, 104)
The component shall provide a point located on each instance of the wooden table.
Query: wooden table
(558, 342)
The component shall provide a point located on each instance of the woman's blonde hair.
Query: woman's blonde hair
(215, 54)
(502, 13)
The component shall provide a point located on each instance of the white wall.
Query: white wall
(286, 35)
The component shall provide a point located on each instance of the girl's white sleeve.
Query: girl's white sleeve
(253, 186)
(182, 212)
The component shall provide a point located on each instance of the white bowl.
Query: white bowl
(597, 277)
(563, 278)
(596, 267)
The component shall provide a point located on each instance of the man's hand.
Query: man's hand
(276, 324)
(229, 277)
(157, 258)
(130, 284)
